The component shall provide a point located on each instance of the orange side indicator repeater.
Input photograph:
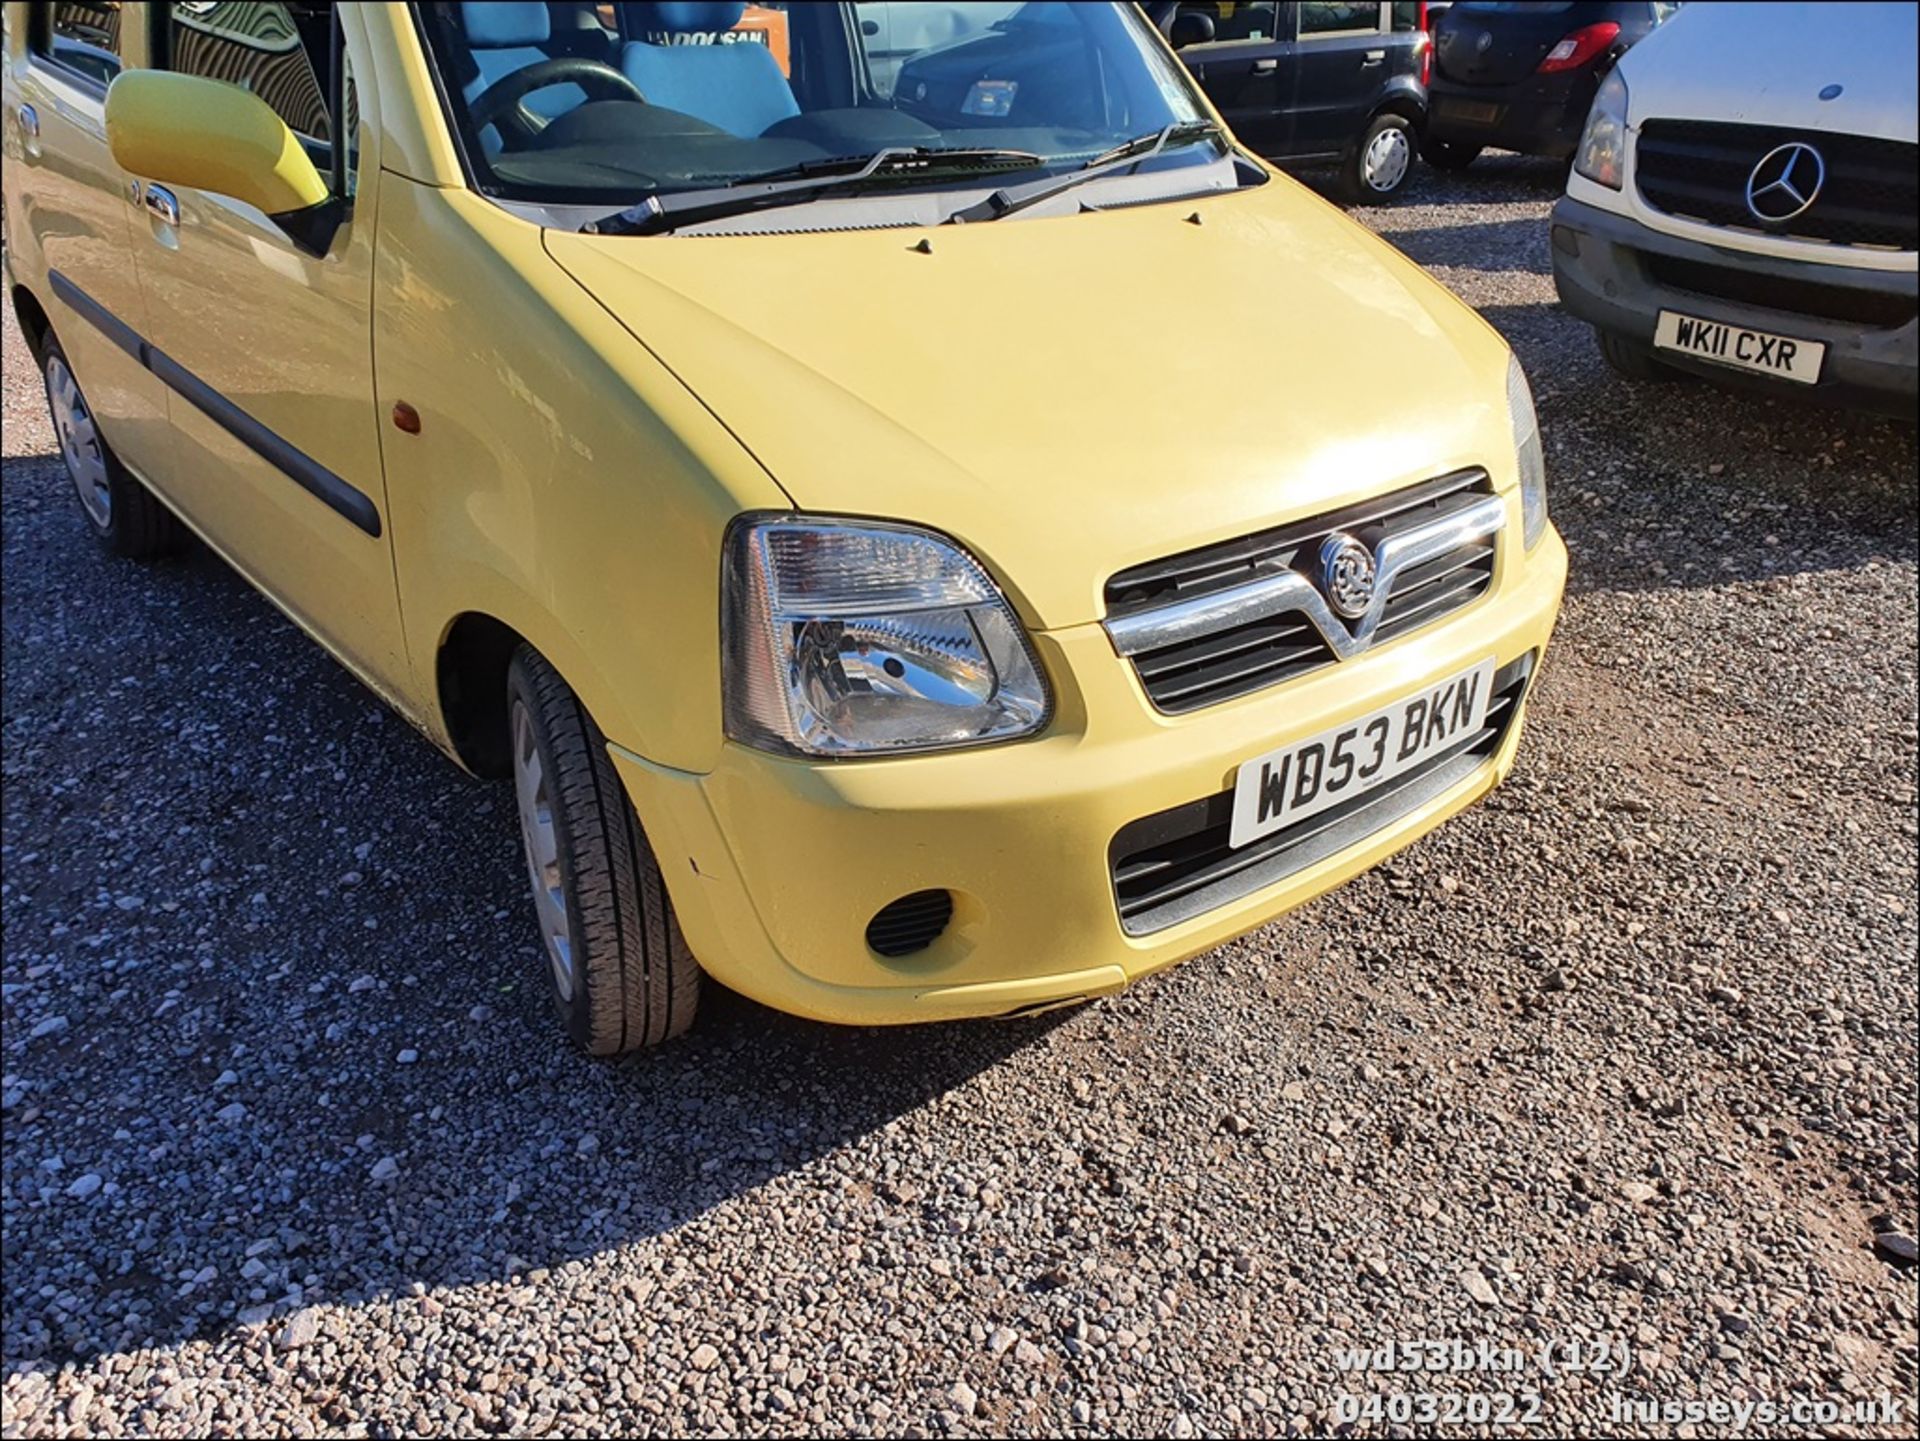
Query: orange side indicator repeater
(406, 418)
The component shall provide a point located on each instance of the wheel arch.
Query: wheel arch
(35, 324)
(1401, 98)
(470, 688)
(470, 662)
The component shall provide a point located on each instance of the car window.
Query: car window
(1044, 83)
(1406, 14)
(83, 38)
(1337, 19)
(279, 52)
(1240, 21)
(892, 33)
(350, 124)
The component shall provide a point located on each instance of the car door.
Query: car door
(268, 349)
(1246, 69)
(1341, 65)
(65, 192)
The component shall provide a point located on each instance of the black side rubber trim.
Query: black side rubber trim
(98, 316)
(295, 464)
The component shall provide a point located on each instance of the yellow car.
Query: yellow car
(929, 526)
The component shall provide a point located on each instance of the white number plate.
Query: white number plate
(1755, 350)
(1275, 790)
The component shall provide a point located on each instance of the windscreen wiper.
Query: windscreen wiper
(1006, 202)
(660, 213)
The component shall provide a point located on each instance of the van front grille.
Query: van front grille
(1699, 170)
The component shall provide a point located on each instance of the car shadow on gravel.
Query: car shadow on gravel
(276, 991)
(412, 1118)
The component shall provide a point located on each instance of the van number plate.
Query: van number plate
(1273, 791)
(1735, 345)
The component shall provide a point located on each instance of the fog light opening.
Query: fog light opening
(910, 924)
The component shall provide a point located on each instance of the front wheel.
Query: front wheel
(121, 512)
(1378, 168)
(618, 968)
(1448, 154)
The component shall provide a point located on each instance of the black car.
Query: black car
(1313, 83)
(1518, 76)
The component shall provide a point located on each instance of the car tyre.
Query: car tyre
(1378, 167)
(1631, 360)
(618, 968)
(1448, 155)
(126, 517)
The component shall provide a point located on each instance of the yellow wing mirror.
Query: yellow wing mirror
(185, 130)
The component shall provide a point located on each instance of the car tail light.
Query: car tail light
(1426, 45)
(1578, 48)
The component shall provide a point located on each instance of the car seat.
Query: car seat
(736, 86)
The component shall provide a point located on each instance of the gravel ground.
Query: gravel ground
(293, 1144)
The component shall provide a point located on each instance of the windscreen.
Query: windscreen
(577, 103)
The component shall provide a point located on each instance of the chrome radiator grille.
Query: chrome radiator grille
(1236, 617)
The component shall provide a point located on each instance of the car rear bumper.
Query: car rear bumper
(775, 866)
(1618, 275)
(1540, 115)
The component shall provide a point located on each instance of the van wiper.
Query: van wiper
(660, 213)
(1003, 203)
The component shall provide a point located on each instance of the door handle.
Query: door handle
(161, 202)
(1374, 57)
(29, 122)
(1265, 67)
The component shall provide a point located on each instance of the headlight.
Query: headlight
(1529, 458)
(847, 638)
(1602, 156)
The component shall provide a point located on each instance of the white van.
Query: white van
(1744, 203)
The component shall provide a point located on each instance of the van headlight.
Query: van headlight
(845, 638)
(1530, 459)
(1602, 156)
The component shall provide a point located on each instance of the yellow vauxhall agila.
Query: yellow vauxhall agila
(928, 526)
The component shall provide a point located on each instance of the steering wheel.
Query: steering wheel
(499, 105)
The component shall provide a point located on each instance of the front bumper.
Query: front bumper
(775, 866)
(1540, 115)
(1603, 267)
